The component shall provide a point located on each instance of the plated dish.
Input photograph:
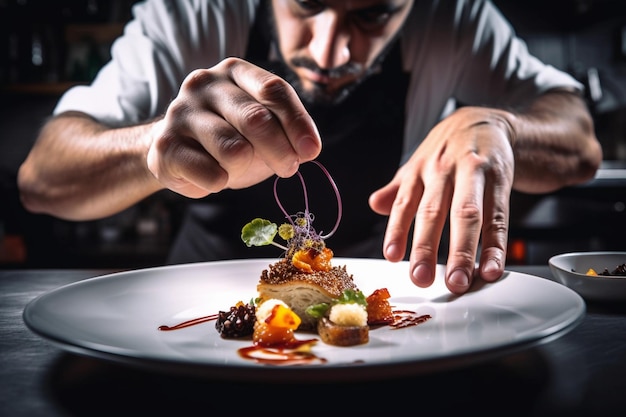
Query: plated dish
(571, 269)
(116, 317)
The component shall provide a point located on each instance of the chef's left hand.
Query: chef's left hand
(464, 168)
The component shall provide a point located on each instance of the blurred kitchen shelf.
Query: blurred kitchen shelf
(43, 88)
(102, 33)
(585, 217)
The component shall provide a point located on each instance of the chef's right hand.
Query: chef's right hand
(231, 126)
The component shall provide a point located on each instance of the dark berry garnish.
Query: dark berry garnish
(236, 322)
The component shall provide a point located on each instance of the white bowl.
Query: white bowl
(570, 269)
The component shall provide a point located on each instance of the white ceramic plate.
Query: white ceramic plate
(570, 269)
(116, 317)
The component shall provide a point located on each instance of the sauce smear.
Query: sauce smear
(296, 352)
(286, 354)
(188, 323)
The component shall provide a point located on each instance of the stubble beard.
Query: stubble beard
(318, 95)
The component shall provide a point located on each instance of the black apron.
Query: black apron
(361, 148)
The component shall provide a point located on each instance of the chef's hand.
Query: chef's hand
(231, 126)
(464, 168)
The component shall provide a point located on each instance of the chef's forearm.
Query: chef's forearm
(555, 144)
(81, 170)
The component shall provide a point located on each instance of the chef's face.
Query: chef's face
(331, 45)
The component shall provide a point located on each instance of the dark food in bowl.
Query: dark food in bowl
(619, 271)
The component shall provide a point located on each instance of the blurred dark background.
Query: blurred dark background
(47, 46)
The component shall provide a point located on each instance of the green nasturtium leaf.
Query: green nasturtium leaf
(352, 297)
(259, 232)
(317, 310)
(348, 296)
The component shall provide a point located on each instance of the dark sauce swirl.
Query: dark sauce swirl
(296, 352)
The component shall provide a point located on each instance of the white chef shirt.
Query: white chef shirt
(461, 51)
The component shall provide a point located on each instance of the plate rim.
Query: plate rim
(313, 373)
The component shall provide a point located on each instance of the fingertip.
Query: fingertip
(308, 147)
(393, 252)
(290, 169)
(374, 202)
(492, 270)
(422, 275)
(458, 281)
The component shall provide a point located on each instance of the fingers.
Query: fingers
(495, 225)
(479, 209)
(466, 218)
(272, 116)
(182, 165)
(429, 224)
(467, 178)
(399, 200)
(231, 126)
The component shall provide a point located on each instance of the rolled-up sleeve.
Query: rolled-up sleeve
(160, 46)
(465, 52)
